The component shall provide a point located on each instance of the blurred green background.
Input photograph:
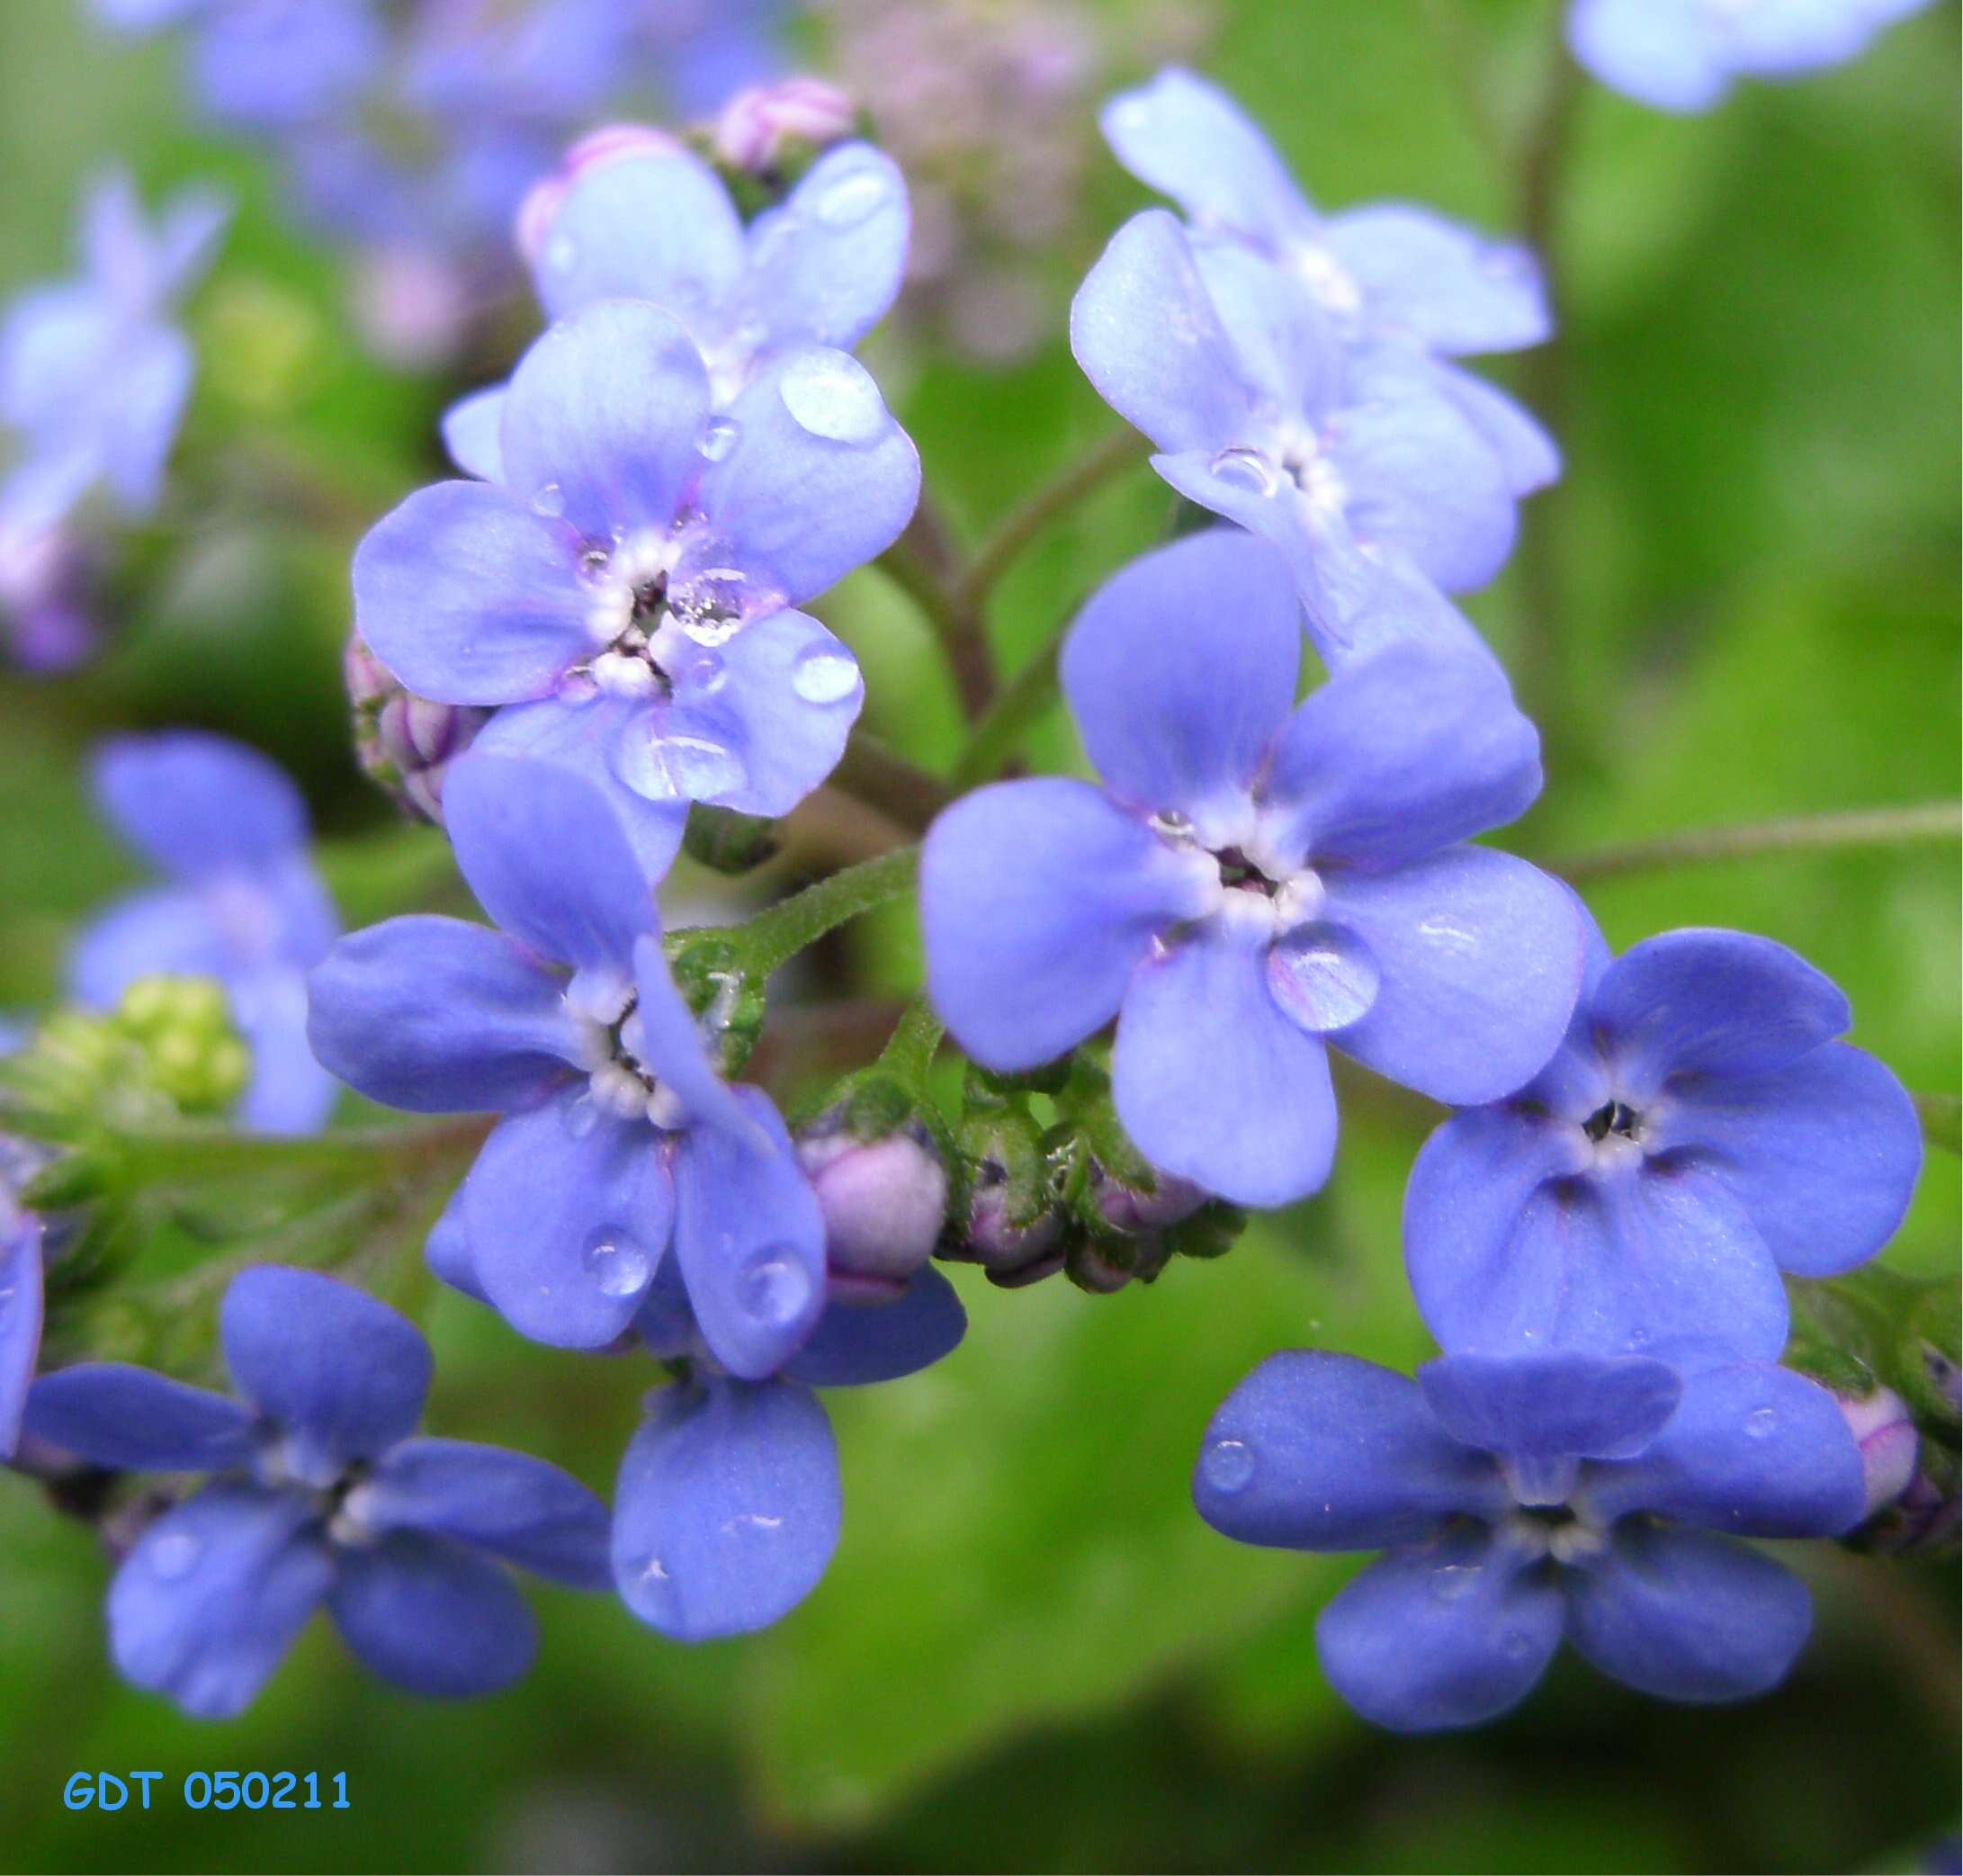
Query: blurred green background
(1029, 1653)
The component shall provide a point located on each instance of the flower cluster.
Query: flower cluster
(591, 641)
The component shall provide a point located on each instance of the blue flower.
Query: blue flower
(320, 1494)
(1523, 1499)
(1357, 460)
(92, 374)
(728, 1506)
(1387, 271)
(618, 1136)
(1698, 1131)
(45, 622)
(21, 1302)
(240, 902)
(625, 581)
(1682, 55)
(635, 221)
(1254, 880)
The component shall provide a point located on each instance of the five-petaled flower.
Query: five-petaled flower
(1524, 1498)
(1255, 879)
(319, 1493)
(1698, 1131)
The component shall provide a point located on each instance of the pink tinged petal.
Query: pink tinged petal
(1823, 1153)
(601, 420)
(817, 479)
(1688, 1616)
(585, 738)
(214, 1594)
(655, 226)
(430, 1617)
(1188, 139)
(1478, 957)
(1446, 1637)
(1213, 1082)
(469, 598)
(1317, 1452)
(439, 1017)
(1146, 333)
(749, 1238)
(1038, 899)
(568, 1214)
(1181, 668)
(343, 1375)
(727, 1509)
(545, 851)
(1754, 1449)
(1397, 756)
(1443, 284)
(1714, 1002)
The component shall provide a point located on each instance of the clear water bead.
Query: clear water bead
(1228, 1464)
(825, 674)
(617, 1263)
(718, 437)
(848, 200)
(772, 1287)
(550, 501)
(1761, 1421)
(677, 767)
(833, 397)
(1245, 468)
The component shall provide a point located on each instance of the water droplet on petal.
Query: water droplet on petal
(677, 767)
(1449, 1581)
(550, 501)
(719, 436)
(1245, 468)
(1228, 1464)
(849, 199)
(772, 1287)
(1324, 976)
(582, 1116)
(825, 674)
(617, 1263)
(1761, 1421)
(834, 397)
(172, 1555)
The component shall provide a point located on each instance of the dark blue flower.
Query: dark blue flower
(620, 1152)
(1682, 55)
(92, 374)
(1523, 1499)
(624, 583)
(240, 902)
(1255, 879)
(1698, 1131)
(320, 1494)
(21, 1240)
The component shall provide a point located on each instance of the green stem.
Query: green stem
(197, 1154)
(957, 626)
(909, 1053)
(1024, 699)
(1791, 833)
(1013, 533)
(870, 773)
(1942, 1118)
(778, 934)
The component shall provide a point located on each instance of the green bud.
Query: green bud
(728, 842)
(182, 1030)
(728, 998)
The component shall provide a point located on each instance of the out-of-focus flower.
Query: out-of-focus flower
(1683, 55)
(623, 586)
(1698, 1132)
(320, 1494)
(761, 127)
(1521, 1499)
(240, 902)
(94, 375)
(1255, 882)
(46, 623)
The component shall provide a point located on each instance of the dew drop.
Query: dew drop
(850, 199)
(1761, 1421)
(550, 501)
(582, 1116)
(833, 397)
(1452, 1581)
(6, 1303)
(617, 1263)
(719, 436)
(772, 1287)
(173, 1554)
(1324, 977)
(677, 767)
(824, 674)
(1228, 1464)
(1244, 468)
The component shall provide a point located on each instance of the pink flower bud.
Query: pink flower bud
(1887, 1439)
(884, 1203)
(758, 126)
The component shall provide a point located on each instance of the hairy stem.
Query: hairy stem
(957, 626)
(910, 1050)
(1022, 524)
(778, 934)
(1861, 827)
(1023, 700)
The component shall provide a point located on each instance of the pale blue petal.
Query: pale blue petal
(130, 1420)
(1552, 1404)
(472, 432)
(194, 805)
(1440, 283)
(20, 1320)
(829, 263)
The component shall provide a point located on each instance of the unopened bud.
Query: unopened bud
(1137, 1213)
(884, 1201)
(596, 149)
(1887, 1439)
(761, 129)
(405, 743)
(727, 841)
(192, 1053)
